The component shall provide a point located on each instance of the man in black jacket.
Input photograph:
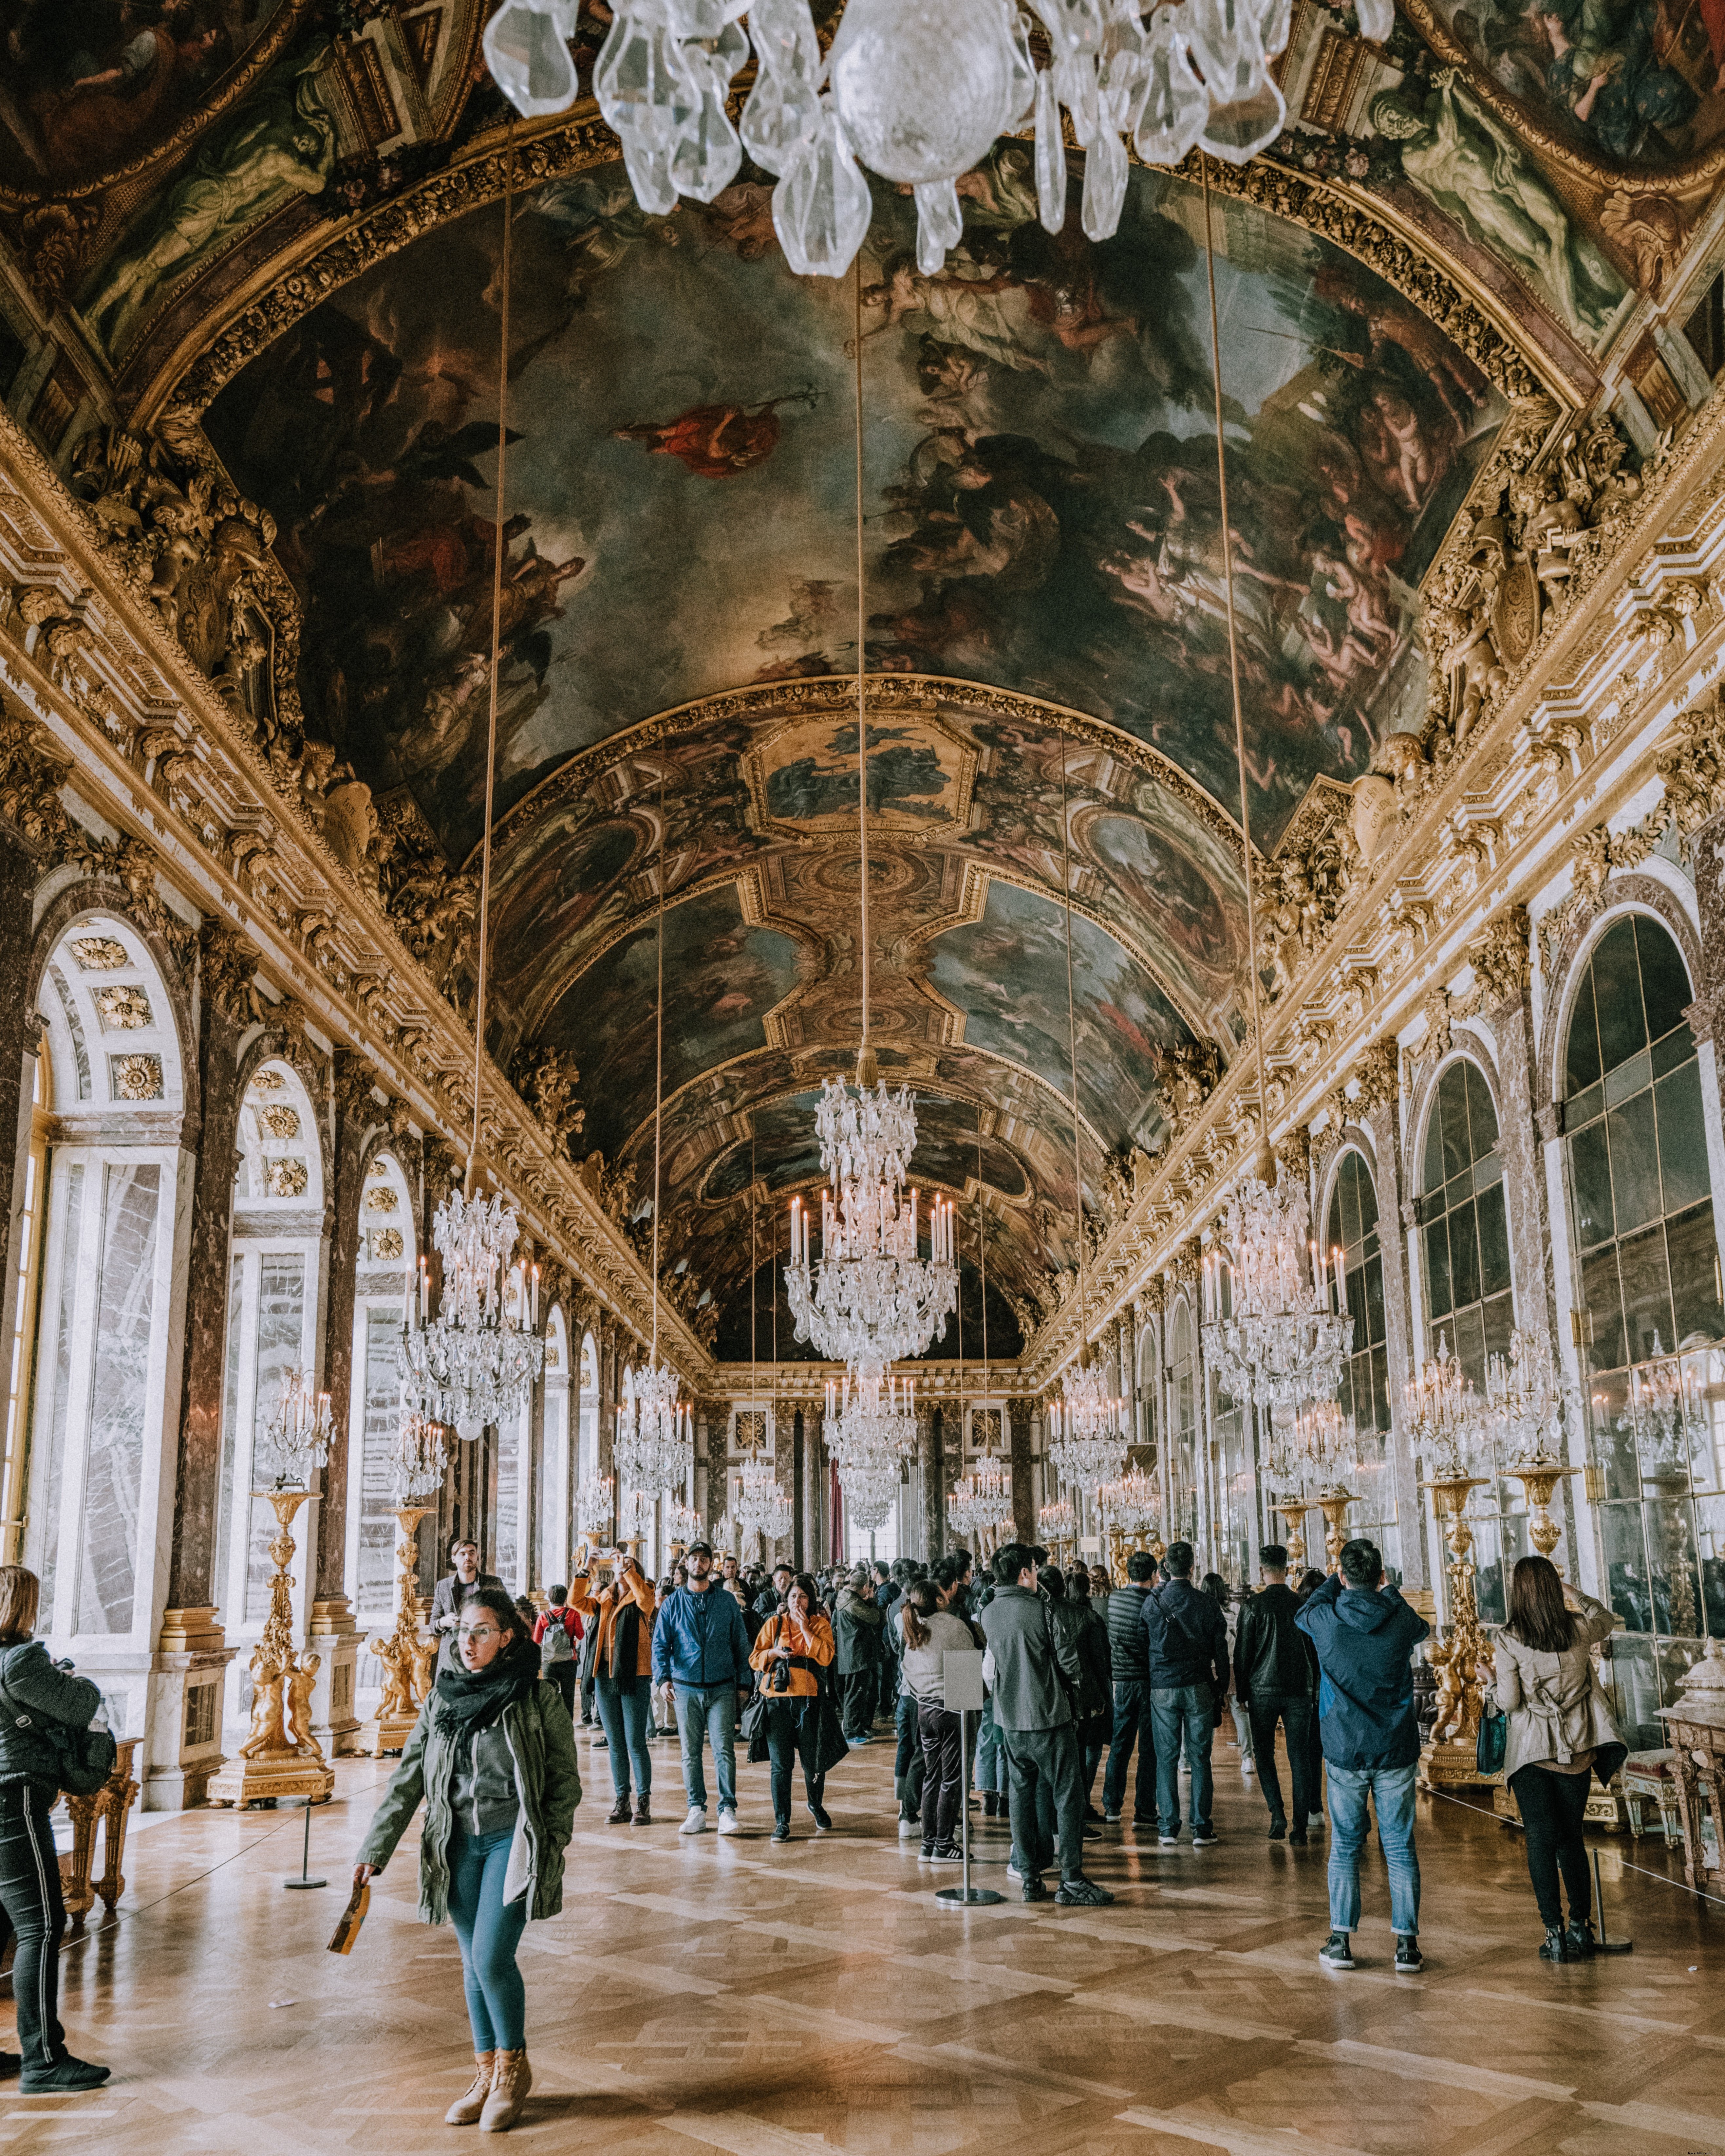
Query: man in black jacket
(1275, 1678)
(1127, 1652)
(1186, 1640)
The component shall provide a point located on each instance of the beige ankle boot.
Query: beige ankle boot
(511, 2078)
(465, 2109)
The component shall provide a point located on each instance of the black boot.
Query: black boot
(1579, 1939)
(991, 1803)
(1556, 1944)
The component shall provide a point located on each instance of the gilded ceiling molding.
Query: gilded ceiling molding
(118, 717)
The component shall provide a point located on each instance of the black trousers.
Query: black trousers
(1132, 1726)
(1552, 1806)
(564, 1676)
(942, 1788)
(1047, 1800)
(856, 1700)
(1298, 1716)
(30, 1896)
(793, 1729)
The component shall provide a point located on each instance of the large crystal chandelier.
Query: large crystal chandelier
(420, 1457)
(918, 90)
(1131, 1504)
(1286, 1340)
(760, 1507)
(1445, 1422)
(869, 1493)
(1313, 1447)
(979, 1506)
(1664, 1405)
(473, 1363)
(869, 1300)
(1524, 1411)
(655, 1441)
(297, 1437)
(1086, 1445)
(871, 1421)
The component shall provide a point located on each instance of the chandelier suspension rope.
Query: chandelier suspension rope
(659, 1057)
(1072, 1055)
(862, 663)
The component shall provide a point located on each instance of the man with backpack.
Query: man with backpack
(556, 1635)
(1186, 1650)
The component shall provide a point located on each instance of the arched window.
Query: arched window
(1645, 1275)
(1351, 1228)
(1182, 1406)
(1465, 1228)
(555, 1515)
(384, 1276)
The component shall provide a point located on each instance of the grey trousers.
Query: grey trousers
(1047, 1799)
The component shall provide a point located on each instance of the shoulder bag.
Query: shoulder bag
(86, 1757)
(1491, 1746)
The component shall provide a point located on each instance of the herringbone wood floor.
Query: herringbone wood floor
(728, 1994)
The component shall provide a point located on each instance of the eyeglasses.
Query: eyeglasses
(477, 1632)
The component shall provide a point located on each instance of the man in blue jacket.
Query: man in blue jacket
(1186, 1651)
(701, 1645)
(1365, 1636)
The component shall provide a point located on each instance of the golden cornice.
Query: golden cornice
(235, 850)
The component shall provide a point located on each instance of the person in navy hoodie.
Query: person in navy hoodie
(1186, 1652)
(1365, 1636)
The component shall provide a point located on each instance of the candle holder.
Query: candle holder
(1463, 1660)
(408, 1658)
(1333, 1501)
(280, 1757)
(1539, 1479)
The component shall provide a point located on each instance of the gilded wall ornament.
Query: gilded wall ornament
(386, 1243)
(285, 1176)
(266, 1080)
(99, 954)
(122, 1008)
(281, 1120)
(136, 1077)
(381, 1198)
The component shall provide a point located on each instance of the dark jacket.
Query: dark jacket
(1271, 1657)
(1126, 1645)
(1185, 1639)
(700, 1640)
(1073, 1615)
(1033, 1667)
(1364, 1638)
(446, 1607)
(856, 1627)
(39, 1694)
(542, 1748)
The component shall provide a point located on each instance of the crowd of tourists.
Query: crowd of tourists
(805, 1669)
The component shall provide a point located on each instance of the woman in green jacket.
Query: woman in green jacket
(493, 1756)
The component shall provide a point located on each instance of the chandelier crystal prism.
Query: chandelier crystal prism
(1086, 1445)
(654, 1448)
(1285, 1339)
(473, 1364)
(916, 91)
(420, 1457)
(869, 1300)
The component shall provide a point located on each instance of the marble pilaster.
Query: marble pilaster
(1382, 1121)
(18, 1030)
(1023, 1484)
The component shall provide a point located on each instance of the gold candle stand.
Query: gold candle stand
(280, 1757)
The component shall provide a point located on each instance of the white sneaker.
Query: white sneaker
(697, 1821)
(729, 1822)
(909, 1830)
(1315, 1818)
(1247, 1766)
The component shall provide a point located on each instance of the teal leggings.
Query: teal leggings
(489, 1930)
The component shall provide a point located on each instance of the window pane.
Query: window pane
(1647, 1294)
(1499, 1316)
(1590, 1185)
(1481, 1115)
(107, 1563)
(1368, 1201)
(1439, 1301)
(1617, 995)
(1695, 1275)
(1349, 1192)
(1457, 1155)
(1494, 1242)
(1634, 1162)
(1664, 980)
(1600, 1300)
(1374, 1304)
(1433, 1176)
(1683, 1137)
(1464, 1255)
(1581, 1065)
(1468, 1344)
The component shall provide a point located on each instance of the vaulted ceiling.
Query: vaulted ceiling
(1050, 718)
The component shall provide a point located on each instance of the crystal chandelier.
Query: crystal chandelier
(654, 1448)
(1665, 1400)
(420, 1457)
(1316, 1445)
(473, 1364)
(918, 90)
(1523, 1410)
(1445, 1422)
(980, 1503)
(683, 1525)
(1132, 1505)
(1087, 1446)
(761, 1507)
(871, 1421)
(594, 1500)
(297, 1437)
(870, 1300)
(870, 1492)
(1285, 1341)
(1056, 1523)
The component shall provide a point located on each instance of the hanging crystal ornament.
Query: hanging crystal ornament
(1444, 1421)
(870, 1300)
(871, 1421)
(419, 1459)
(296, 1437)
(918, 90)
(473, 1364)
(654, 1448)
(1086, 1445)
(1285, 1340)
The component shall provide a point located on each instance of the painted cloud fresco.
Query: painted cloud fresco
(1040, 490)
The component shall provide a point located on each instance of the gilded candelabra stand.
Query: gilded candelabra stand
(281, 1756)
(1539, 1479)
(408, 1656)
(1463, 1661)
(1291, 1512)
(1333, 1501)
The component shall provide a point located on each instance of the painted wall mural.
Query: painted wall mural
(1041, 488)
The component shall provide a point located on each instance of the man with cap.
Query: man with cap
(701, 1647)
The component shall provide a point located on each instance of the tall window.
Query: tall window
(1364, 1389)
(1466, 1230)
(1646, 1279)
(1183, 1464)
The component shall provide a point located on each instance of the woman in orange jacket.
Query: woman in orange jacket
(622, 1678)
(791, 1649)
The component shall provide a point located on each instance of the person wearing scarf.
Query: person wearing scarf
(492, 1758)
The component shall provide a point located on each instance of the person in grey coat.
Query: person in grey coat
(449, 1593)
(1033, 1669)
(857, 1623)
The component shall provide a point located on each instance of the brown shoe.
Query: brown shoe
(511, 2079)
(618, 1814)
(465, 2109)
(643, 1816)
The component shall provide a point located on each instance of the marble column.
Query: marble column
(934, 1509)
(1382, 1123)
(815, 1519)
(1024, 1487)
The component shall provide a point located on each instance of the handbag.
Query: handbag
(1491, 1745)
(86, 1756)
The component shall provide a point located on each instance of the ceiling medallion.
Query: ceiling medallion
(916, 90)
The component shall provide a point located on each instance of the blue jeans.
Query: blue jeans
(623, 1716)
(1132, 1724)
(1191, 1709)
(1391, 1790)
(708, 1712)
(990, 1762)
(489, 1930)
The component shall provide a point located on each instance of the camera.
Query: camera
(778, 1677)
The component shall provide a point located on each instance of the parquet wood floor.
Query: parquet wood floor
(707, 1994)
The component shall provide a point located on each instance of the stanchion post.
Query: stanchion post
(962, 1687)
(305, 1879)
